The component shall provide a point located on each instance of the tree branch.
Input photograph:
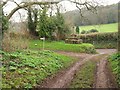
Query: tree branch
(26, 4)
(3, 3)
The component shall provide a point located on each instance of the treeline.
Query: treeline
(103, 15)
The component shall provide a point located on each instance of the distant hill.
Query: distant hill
(105, 15)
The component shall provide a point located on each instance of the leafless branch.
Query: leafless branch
(4, 3)
(26, 4)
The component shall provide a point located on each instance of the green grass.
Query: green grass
(85, 77)
(115, 65)
(101, 28)
(26, 69)
(62, 46)
(105, 45)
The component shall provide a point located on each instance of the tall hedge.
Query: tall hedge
(89, 38)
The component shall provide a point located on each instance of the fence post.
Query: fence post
(43, 39)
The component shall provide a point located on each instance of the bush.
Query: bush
(93, 31)
(83, 32)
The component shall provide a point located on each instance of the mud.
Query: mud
(64, 77)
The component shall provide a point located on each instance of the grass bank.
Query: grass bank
(115, 65)
(26, 69)
(62, 46)
(85, 77)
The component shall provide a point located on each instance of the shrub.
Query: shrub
(93, 31)
(83, 32)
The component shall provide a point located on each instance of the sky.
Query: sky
(68, 6)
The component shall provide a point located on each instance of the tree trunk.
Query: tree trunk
(118, 46)
(118, 37)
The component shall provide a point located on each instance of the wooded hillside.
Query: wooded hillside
(103, 15)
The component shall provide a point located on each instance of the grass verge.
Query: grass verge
(62, 46)
(85, 77)
(115, 65)
(105, 45)
(26, 69)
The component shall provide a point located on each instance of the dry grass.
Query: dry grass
(14, 41)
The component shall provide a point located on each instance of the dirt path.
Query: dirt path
(101, 78)
(104, 77)
(63, 78)
(106, 51)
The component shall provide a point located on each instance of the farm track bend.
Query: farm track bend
(64, 77)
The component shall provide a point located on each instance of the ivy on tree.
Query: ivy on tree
(32, 20)
(77, 29)
(4, 23)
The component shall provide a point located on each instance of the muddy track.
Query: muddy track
(63, 78)
(104, 77)
(101, 77)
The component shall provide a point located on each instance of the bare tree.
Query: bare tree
(89, 5)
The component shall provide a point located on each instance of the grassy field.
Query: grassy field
(62, 46)
(101, 28)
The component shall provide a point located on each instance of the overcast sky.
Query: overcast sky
(68, 6)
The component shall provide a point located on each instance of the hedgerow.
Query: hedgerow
(99, 37)
(101, 40)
